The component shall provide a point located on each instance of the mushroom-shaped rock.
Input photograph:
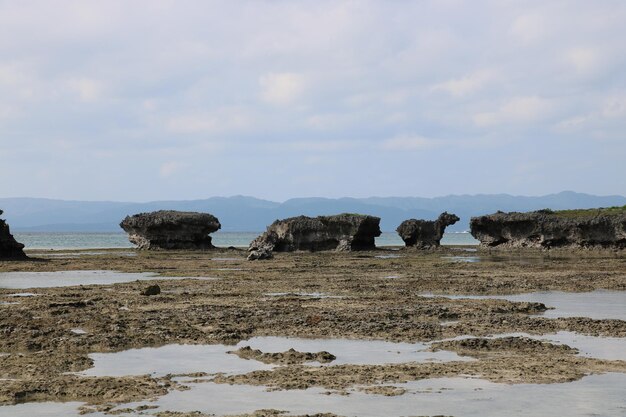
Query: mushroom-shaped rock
(9, 247)
(425, 234)
(342, 232)
(603, 227)
(168, 229)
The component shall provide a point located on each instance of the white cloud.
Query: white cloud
(222, 120)
(282, 88)
(410, 143)
(614, 107)
(585, 61)
(317, 145)
(465, 85)
(170, 168)
(88, 89)
(516, 110)
(529, 28)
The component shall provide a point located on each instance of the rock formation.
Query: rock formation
(425, 234)
(9, 247)
(341, 232)
(167, 229)
(548, 229)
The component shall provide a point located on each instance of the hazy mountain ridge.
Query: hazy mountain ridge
(240, 213)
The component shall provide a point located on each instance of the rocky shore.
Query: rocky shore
(9, 247)
(603, 228)
(359, 296)
(342, 232)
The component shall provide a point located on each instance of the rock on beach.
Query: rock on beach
(168, 229)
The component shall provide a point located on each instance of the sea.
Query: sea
(113, 240)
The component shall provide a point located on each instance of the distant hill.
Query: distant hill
(248, 214)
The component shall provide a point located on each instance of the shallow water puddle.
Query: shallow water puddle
(182, 359)
(599, 304)
(21, 280)
(467, 259)
(354, 352)
(610, 348)
(392, 256)
(595, 395)
(603, 395)
(74, 255)
(302, 294)
(45, 409)
(171, 359)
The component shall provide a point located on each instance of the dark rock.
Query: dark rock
(260, 253)
(342, 232)
(171, 230)
(9, 247)
(549, 229)
(425, 234)
(152, 290)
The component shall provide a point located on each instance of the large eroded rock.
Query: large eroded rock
(168, 229)
(339, 232)
(425, 234)
(9, 247)
(548, 229)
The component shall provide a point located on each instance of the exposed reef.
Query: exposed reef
(425, 234)
(9, 247)
(342, 232)
(168, 229)
(550, 229)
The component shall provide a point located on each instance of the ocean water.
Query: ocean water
(59, 240)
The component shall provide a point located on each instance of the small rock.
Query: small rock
(260, 253)
(152, 290)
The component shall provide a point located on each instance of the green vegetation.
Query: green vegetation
(611, 211)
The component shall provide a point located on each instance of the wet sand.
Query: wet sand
(47, 338)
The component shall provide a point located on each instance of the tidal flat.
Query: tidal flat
(106, 349)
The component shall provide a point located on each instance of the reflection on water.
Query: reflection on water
(21, 280)
(609, 348)
(468, 259)
(593, 395)
(180, 359)
(599, 304)
(302, 294)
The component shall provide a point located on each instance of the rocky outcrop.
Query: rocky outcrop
(425, 234)
(549, 229)
(343, 232)
(167, 229)
(9, 247)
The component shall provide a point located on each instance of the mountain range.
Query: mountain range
(249, 214)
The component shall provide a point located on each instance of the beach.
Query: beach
(457, 315)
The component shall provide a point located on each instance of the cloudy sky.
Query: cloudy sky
(144, 100)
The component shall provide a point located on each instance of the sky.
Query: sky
(168, 100)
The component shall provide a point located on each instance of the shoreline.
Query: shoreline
(217, 297)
